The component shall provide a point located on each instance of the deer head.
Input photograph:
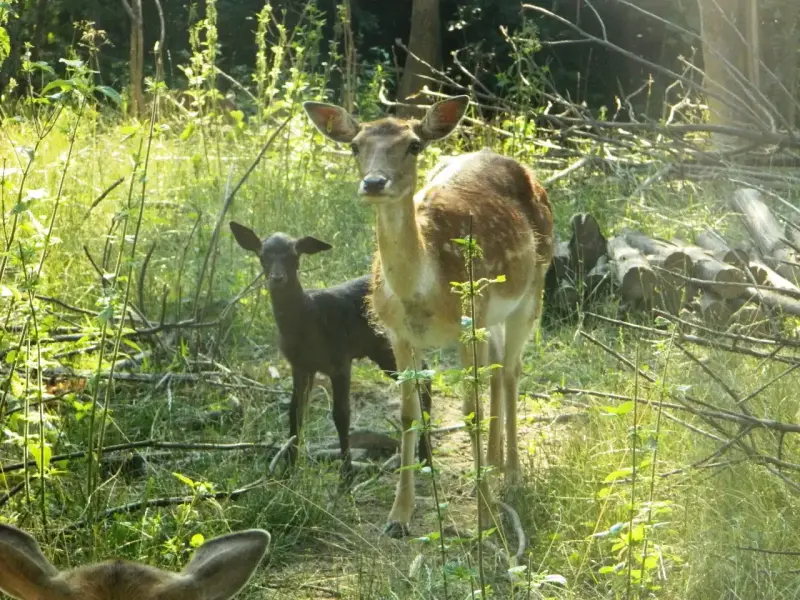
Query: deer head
(386, 150)
(217, 571)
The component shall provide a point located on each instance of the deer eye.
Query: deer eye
(414, 148)
(354, 149)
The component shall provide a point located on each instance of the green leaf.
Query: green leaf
(637, 533)
(41, 455)
(61, 84)
(5, 45)
(75, 64)
(618, 474)
(187, 132)
(110, 93)
(184, 479)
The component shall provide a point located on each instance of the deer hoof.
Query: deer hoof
(396, 529)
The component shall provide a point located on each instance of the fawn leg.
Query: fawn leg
(301, 387)
(341, 418)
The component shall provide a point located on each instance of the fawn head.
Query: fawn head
(386, 150)
(279, 253)
(217, 571)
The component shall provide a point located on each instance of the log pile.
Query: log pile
(749, 285)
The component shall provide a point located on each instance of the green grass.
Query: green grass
(573, 506)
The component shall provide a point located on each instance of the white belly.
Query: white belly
(499, 308)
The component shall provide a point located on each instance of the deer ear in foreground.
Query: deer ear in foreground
(217, 571)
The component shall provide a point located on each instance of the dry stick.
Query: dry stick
(155, 444)
(651, 379)
(522, 539)
(794, 294)
(283, 450)
(708, 371)
(171, 501)
(103, 195)
(142, 276)
(226, 205)
(63, 304)
(700, 341)
(12, 492)
(202, 377)
(654, 66)
(742, 79)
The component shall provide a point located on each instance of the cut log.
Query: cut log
(714, 244)
(597, 281)
(716, 272)
(566, 297)
(749, 318)
(774, 279)
(560, 270)
(631, 270)
(792, 233)
(587, 244)
(759, 271)
(562, 262)
(765, 231)
(716, 312)
(666, 255)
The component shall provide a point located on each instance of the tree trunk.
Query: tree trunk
(134, 10)
(39, 29)
(729, 62)
(424, 42)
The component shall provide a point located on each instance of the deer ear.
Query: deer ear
(246, 237)
(26, 573)
(442, 118)
(332, 121)
(310, 245)
(222, 566)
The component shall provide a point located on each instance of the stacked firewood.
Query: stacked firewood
(751, 283)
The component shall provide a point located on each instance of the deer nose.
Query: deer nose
(374, 184)
(277, 278)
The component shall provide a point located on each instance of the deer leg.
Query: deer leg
(470, 407)
(494, 452)
(403, 506)
(384, 358)
(301, 387)
(518, 329)
(340, 382)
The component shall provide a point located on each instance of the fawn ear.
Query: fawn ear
(332, 121)
(310, 245)
(222, 566)
(246, 237)
(26, 573)
(442, 118)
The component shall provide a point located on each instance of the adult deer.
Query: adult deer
(217, 571)
(417, 259)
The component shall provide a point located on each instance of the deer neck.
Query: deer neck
(402, 251)
(287, 305)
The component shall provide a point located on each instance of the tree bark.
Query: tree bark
(728, 62)
(134, 10)
(424, 42)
